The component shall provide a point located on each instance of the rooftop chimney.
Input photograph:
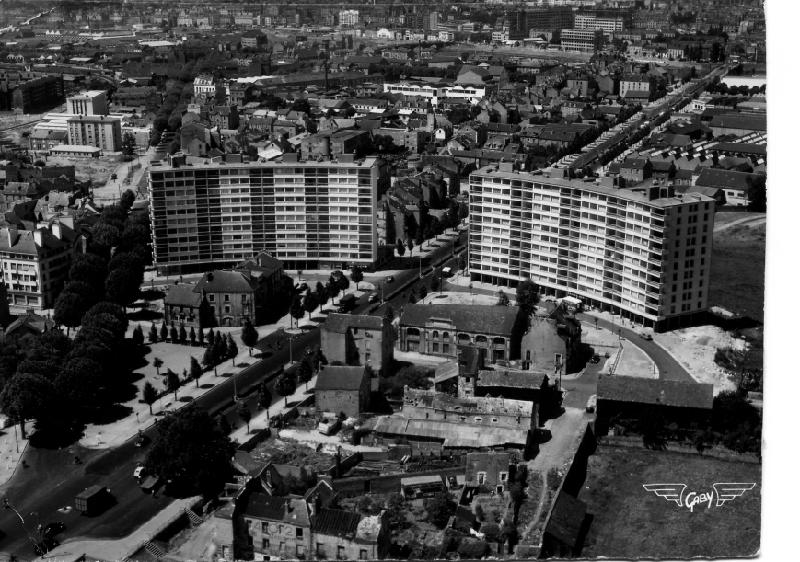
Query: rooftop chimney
(12, 234)
(38, 237)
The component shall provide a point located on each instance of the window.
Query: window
(264, 528)
(227, 309)
(244, 299)
(298, 532)
(362, 554)
(211, 297)
(481, 478)
(227, 298)
(264, 544)
(503, 476)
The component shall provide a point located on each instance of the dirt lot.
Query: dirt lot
(98, 170)
(737, 270)
(630, 522)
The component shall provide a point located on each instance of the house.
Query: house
(230, 296)
(636, 170)
(182, 305)
(737, 185)
(342, 389)
(276, 526)
(33, 265)
(358, 340)
(439, 329)
(738, 124)
(492, 471)
(346, 535)
(687, 404)
(419, 487)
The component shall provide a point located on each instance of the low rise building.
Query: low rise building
(346, 535)
(342, 389)
(358, 340)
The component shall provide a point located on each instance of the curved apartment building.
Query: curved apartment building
(643, 252)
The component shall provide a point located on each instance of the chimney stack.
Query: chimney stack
(12, 235)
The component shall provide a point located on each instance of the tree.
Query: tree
(231, 350)
(410, 245)
(182, 334)
(172, 382)
(89, 269)
(462, 262)
(331, 290)
(149, 395)
(502, 298)
(356, 275)
(70, 308)
(224, 425)
(423, 292)
(192, 336)
(304, 371)
(435, 283)
(527, 297)
(201, 336)
(164, 332)
(297, 311)
(310, 303)
(439, 509)
(24, 397)
(249, 336)
(401, 248)
(173, 333)
(191, 453)
(153, 336)
(220, 348)
(128, 144)
(264, 396)
(419, 239)
(195, 371)
(285, 386)
(209, 360)
(126, 203)
(138, 336)
(157, 363)
(122, 284)
(244, 413)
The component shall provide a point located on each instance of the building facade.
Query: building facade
(358, 340)
(581, 40)
(308, 214)
(342, 388)
(99, 131)
(34, 266)
(644, 253)
(91, 102)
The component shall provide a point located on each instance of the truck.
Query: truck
(347, 303)
(92, 499)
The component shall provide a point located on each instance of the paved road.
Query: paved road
(668, 367)
(52, 480)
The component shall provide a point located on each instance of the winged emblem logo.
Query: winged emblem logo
(722, 492)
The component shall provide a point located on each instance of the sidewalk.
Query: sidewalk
(12, 447)
(122, 548)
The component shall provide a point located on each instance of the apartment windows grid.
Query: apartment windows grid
(605, 245)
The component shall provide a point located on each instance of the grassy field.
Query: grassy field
(737, 270)
(630, 522)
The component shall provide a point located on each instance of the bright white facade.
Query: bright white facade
(642, 253)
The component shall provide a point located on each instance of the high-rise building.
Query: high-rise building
(644, 253)
(348, 18)
(315, 214)
(90, 102)
(582, 40)
(101, 131)
(549, 19)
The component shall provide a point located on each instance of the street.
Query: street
(52, 480)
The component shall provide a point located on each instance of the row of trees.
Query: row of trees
(63, 383)
(112, 269)
(323, 293)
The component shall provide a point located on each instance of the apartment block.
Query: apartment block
(642, 252)
(100, 131)
(91, 102)
(582, 40)
(315, 214)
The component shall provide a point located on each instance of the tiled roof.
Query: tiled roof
(340, 323)
(740, 121)
(182, 295)
(655, 391)
(220, 281)
(336, 522)
(264, 506)
(486, 319)
(340, 377)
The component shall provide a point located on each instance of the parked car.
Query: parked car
(647, 336)
(390, 279)
(595, 358)
(373, 298)
(139, 472)
(591, 404)
(329, 425)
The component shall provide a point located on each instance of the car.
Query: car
(595, 358)
(373, 298)
(390, 279)
(113, 176)
(647, 336)
(139, 472)
(142, 440)
(53, 528)
(302, 286)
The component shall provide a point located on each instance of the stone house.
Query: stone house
(493, 471)
(346, 535)
(342, 388)
(276, 526)
(358, 340)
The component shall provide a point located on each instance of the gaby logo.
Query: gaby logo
(721, 492)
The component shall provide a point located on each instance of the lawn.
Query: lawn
(630, 522)
(737, 270)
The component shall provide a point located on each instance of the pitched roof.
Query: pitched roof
(264, 506)
(340, 323)
(336, 522)
(182, 295)
(728, 179)
(740, 121)
(487, 319)
(34, 322)
(341, 377)
(221, 281)
(655, 391)
(634, 163)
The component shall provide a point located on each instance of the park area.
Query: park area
(630, 522)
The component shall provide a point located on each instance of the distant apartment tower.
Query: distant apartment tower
(316, 214)
(582, 40)
(348, 18)
(549, 19)
(643, 253)
(95, 130)
(90, 102)
(29, 92)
